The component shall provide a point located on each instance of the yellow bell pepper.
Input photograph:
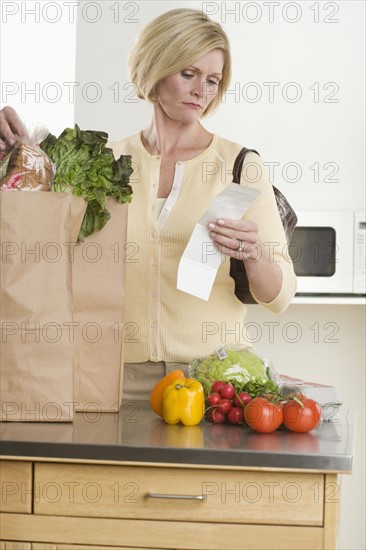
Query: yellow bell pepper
(157, 393)
(183, 401)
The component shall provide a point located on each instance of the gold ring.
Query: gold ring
(240, 247)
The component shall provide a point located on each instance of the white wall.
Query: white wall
(38, 43)
(318, 140)
(320, 52)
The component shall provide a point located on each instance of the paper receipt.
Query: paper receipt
(201, 259)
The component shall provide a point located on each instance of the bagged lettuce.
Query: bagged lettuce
(241, 366)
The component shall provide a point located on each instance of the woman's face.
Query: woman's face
(186, 95)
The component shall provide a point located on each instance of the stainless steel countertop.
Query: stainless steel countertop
(136, 434)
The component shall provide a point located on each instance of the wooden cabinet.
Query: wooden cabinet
(150, 506)
(11, 545)
(210, 495)
(16, 487)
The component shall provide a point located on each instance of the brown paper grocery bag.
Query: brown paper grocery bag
(99, 290)
(38, 233)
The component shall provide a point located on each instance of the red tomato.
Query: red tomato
(263, 416)
(299, 418)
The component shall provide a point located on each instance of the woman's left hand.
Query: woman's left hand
(236, 238)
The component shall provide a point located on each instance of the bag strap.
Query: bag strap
(238, 164)
(287, 213)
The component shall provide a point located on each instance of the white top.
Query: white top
(159, 206)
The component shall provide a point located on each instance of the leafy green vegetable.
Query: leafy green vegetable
(88, 169)
(239, 368)
(263, 387)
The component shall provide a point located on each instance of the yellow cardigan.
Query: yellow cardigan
(165, 324)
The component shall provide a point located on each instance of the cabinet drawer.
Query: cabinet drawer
(9, 545)
(16, 487)
(146, 534)
(181, 494)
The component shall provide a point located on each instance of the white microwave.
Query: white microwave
(328, 250)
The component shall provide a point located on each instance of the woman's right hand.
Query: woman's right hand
(11, 129)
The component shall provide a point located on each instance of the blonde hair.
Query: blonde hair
(172, 42)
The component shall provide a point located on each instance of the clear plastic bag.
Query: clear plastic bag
(27, 167)
(238, 365)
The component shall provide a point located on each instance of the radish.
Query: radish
(215, 416)
(214, 398)
(224, 405)
(241, 398)
(235, 415)
(227, 391)
(216, 386)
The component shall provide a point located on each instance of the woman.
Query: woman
(181, 65)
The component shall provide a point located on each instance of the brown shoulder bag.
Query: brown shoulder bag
(289, 221)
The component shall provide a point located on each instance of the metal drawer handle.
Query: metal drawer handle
(202, 498)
